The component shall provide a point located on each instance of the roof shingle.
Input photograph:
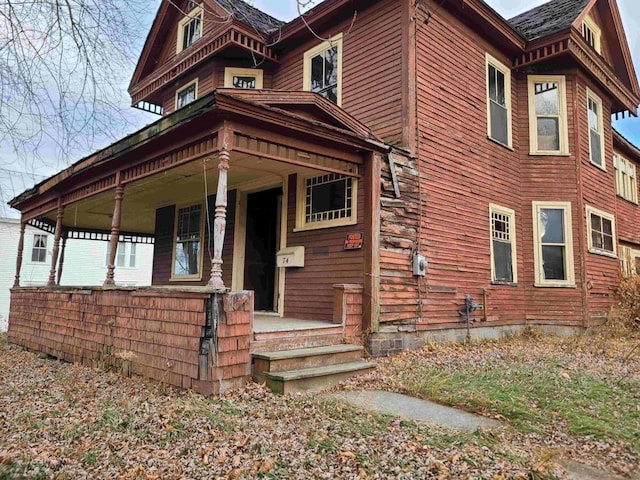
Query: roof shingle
(547, 19)
(257, 19)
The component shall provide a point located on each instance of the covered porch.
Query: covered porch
(255, 193)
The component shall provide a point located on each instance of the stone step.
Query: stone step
(315, 378)
(282, 361)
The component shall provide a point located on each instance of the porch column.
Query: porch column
(56, 245)
(16, 282)
(61, 262)
(115, 234)
(220, 222)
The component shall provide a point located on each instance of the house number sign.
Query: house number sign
(354, 240)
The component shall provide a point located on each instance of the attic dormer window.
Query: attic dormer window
(189, 29)
(591, 33)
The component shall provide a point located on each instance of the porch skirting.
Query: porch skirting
(192, 338)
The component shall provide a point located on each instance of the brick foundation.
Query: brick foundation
(177, 337)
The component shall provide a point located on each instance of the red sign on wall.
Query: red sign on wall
(354, 240)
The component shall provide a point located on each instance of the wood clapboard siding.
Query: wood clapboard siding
(598, 191)
(462, 173)
(309, 291)
(163, 251)
(551, 178)
(207, 81)
(371, 71)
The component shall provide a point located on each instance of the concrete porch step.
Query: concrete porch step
(315, 378)
(298, 359)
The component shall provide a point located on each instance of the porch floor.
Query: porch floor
(263, 323)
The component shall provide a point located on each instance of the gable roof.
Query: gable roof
(243, 12)
(547, 19)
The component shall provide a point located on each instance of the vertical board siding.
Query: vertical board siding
(309, 291)
(462, 172)
(371, 69)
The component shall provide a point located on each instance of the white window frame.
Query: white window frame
(182, 89)
(192, 277)
(595, 31)
(563, 135)
(301, 205)
(589, 210)
(628, 256)
(318, 49)
(626, 178)
(596, 100)
(511, 214)
(128, 247)
(230, 72)
(506, 71)
(33, 248)
(190, 16)
(539, 281)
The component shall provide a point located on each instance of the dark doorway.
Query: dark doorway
(261, 246)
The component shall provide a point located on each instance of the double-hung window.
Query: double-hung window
(187, 252)
(327, 200)
(626, 179)
(498, 101)
(548, 115)
(594, 114)
(189, 29)
(601, 232)
(503, 244)
(187, 94)
(126, 255)
(39, 249)
(322, 69)
(553, 244)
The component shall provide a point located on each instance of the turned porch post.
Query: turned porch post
(220, 222)
(16, 282)
(61, 262)
(115, 233)
(56, 245)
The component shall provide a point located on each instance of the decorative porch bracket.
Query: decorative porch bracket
(115, 234)
(56, 244)
(225, 138)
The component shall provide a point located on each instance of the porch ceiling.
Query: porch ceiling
(182, 185)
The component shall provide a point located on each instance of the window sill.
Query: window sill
(318, 227)
(503, 283)
(549, 154)
(627, 200)
(598, 166)
(604, 253)
(498, 142)
(554, 285)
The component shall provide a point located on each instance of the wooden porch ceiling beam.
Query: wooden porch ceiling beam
(297, 163)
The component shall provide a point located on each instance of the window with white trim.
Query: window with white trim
(39, 248)
(629, 261)
(322, 69)
(187, 94)
(327, 200)
(189, 29)
(594, 114)
(187, 251)
(601, 232)
(548, 115)
(126, 255)
(626, 180)
(553, 244)
(498, 101)
(245, 78)
(503, 244)
(591, 33)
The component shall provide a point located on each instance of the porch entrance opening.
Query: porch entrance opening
(262, 238)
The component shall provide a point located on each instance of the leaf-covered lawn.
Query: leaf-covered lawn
(69, 422)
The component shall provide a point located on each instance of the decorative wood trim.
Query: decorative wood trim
(239, 241)
(115, 232)
(371, 281)
(56, 244)
(16, 282)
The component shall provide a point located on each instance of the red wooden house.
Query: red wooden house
(384, 172)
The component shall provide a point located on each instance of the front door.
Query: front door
(263, 211)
